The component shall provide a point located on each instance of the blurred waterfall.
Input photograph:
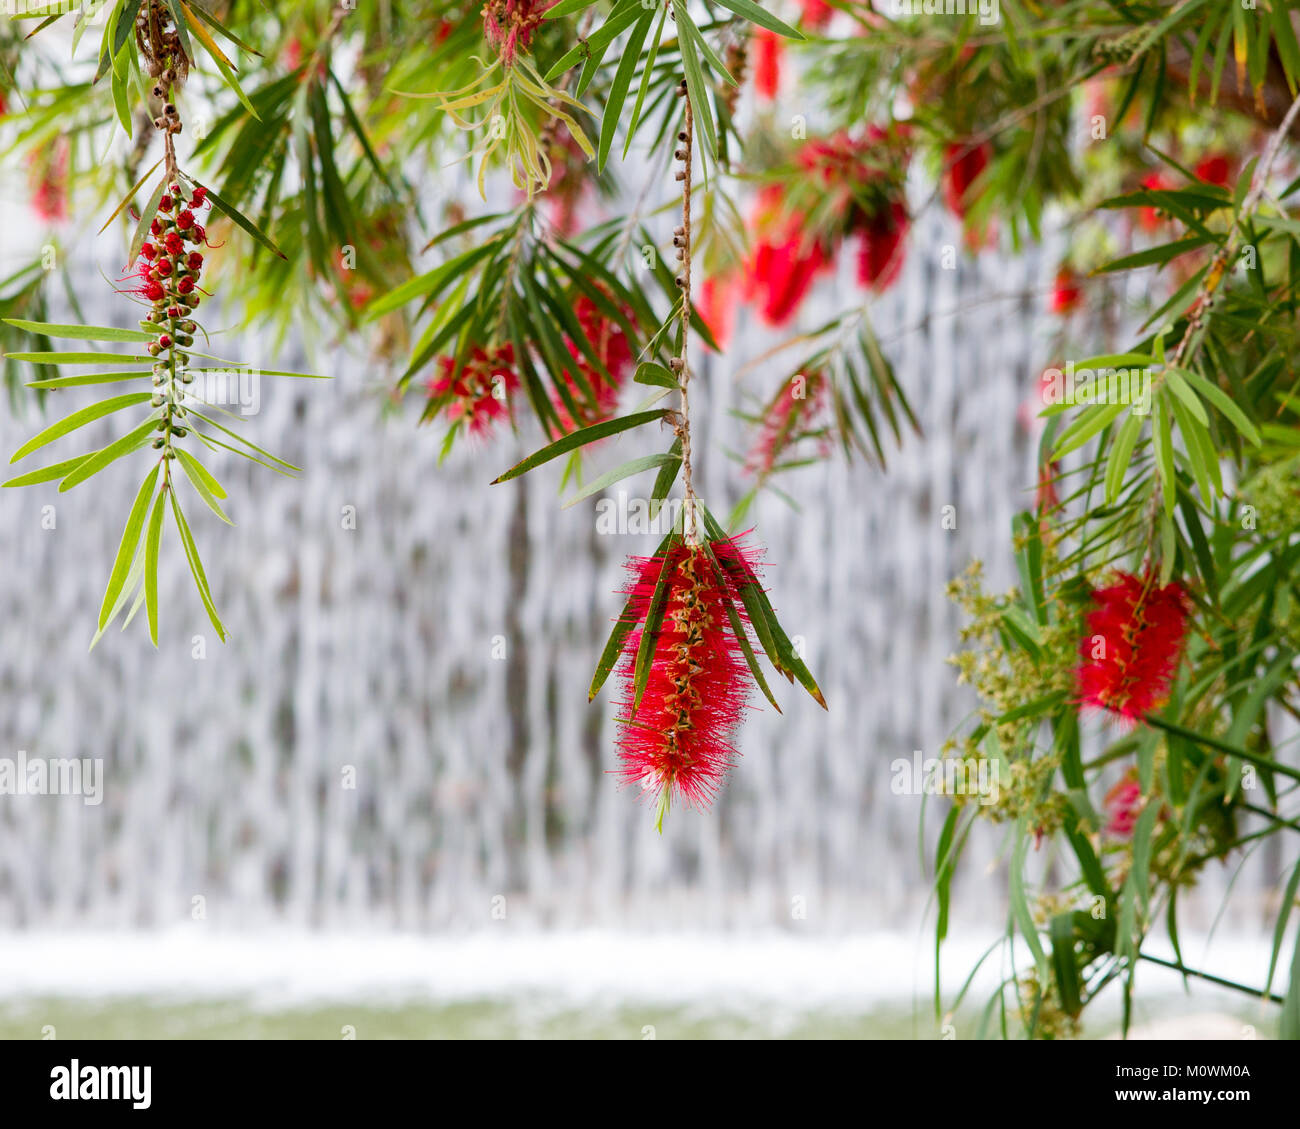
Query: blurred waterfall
(441, 651)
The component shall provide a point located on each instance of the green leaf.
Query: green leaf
(242, 221)
(1121, 452)
(78, 419)
(1164, 441)
(624, 15)
(696, 87)
(622, 627)
(127, 549)
(1088, 423)
(1289, 1027)
(196, 568)
(1183, 391)
(203, 483)
(619, 87)
(1154, 255)
(579, 438)
(79, 332)
(1227, 406)
(151, 567)
(567, 8)
(1063, 963)
(654, 374)
(131, 441)
(761, 16)
(76, 358)
(49, 473)
(635, 466)
(85, 378)
(430, 284)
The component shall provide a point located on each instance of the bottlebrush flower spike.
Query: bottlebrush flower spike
(479, 392)
(880, 255)
(1066, 293)
(1134, 644)
(676, 742)
(610, 344)
(790, 416)
(963, 164)
(1215, 169)
(48, 177)
(784, 263)
(767, 63)
(1123, 803)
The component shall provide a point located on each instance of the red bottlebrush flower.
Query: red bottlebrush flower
(174, 243)
(816, 13)
(165, 203)
(477, 393)
(148, 250)
(1133, 647)
(1066, 293)
(677, 743)
(1148, 217)
(963, 165)
(185, 220)
(185, 285)
(200, 196)
(781, 274)
(155, 227)
(767, 63)
(1123, 803)
(163, 267)
(717, 305)
(610, 344)
(151, 290)
(48, 178)
(1214, 169)
(880, 255)
(201, 235)
(781, 270)
(195, 260)
(509, 25)
(165, 341)
(791, 415)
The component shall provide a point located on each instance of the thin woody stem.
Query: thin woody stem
(685, 152)
(1218, 268)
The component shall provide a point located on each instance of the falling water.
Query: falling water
(410, 629)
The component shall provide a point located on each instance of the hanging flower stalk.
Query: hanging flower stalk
(687, 657)
(166, 264)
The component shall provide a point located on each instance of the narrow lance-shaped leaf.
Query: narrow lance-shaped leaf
(622, 627)
(77, 419)
(127, 549)
(151, 566)
(579, 438)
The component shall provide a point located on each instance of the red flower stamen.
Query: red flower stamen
(479, 392)
(677, 743)
(1133, 647)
